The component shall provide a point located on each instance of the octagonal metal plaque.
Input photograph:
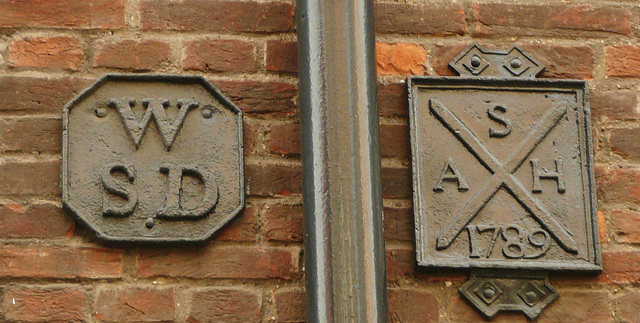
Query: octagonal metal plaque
(502, 172)
(152, 158)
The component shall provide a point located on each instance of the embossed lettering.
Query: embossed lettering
(154, 108)
(123, 189)
(497, 114)
(173, 204)
(450, 173)
(515, 241)
(539, 174)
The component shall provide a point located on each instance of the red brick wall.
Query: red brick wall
(52, 269)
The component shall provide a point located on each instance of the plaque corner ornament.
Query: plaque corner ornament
(152, 158)
(512, 197)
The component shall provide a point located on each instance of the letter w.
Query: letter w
(155, 108)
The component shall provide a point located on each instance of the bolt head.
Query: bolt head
(475, 61)
(206, 112)
(516, 63)
(532, 297)
(489, 293)
(101, 112)
(149, 223)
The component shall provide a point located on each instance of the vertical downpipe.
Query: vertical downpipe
(344, 242)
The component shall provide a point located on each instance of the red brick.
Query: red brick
(607, 101)
(459, 310)
(400, 59)
(425, 18)
(30, 178)
(290, 305)
(244, 227)
(250, 136)
(220, 55)
(283, 223)
(33, 221)
(282, 56)
(578, 306)
(617, 184)
(35, 304)
(132, 54)
(31, 135)
(61, 52)
(269, 179)
(224, 304)
(394, 141)
(443, 55)
(626, 305)
(30, 94)
(411, 305)
(238, 16)
(392, 99)
(620, 267)
(220, 262)
(132, 303)
(396, 182)
(60, 262)
(401, 263)
(624, 142)
(626, 225)
(546, 19)
(564, 62)
(623, 61)
(285, 139)
(260, 97)
(399, 223)
(89, 14)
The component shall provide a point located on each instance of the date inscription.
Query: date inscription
(516, 242)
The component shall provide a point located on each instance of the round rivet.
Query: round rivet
(149, 223)
(532, 297)
(489, 293)
(475, 61)
(206, 112)
(516, 63)
(101, 112)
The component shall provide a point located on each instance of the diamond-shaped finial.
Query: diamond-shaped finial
(478, 61)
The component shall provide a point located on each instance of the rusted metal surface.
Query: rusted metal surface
(152, 158)
(344, 241)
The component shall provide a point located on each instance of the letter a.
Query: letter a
(451, 173)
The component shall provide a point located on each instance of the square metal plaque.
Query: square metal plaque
(503, 174)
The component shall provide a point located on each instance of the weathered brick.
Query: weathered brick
(282, 56)
(224, 304)
(59, 52)
(30, 178)
(290, 305)
(392, 99)
(31, 94)
(620, 267)
(38, 304)
(220, 262)
(394, 141)
(401, 263)
(570, 307)
(624, 142)
(398, 223)
(283, 222)
(443, 55)
(260, 97)
(268, 179)
(617, 184)
(434, 18)
(250, 136)
(135, 304)
(607, 101)
(400, 59)
(220, 55)
(412, 305)
(244, 227)
(217, 15)
(133, 54)
(33, 221)
(626, 305)
(31, 134)
(460, 310)
(623, 60)
(88, 14)
(536, 19)
(565, 62)
(284, 139)
(60, 262)
(396, 182)
(626, 225)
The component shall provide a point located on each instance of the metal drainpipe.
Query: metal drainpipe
(344, 242)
